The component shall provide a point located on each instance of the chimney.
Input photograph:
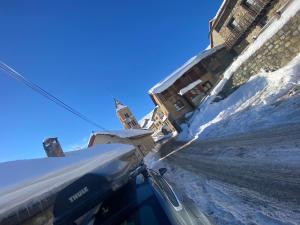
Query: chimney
(52, 147)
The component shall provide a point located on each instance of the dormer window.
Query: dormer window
(248, 3)
(232, 24)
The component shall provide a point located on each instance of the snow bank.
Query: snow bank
(267, 99)
(268, 33)
(23, 180)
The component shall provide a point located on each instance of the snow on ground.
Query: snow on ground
(228, 204)
(268, 33)
(23, 180)
(267, 99)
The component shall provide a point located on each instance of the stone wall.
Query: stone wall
(274, 54)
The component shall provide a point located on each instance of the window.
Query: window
(232, 24)
(179, 105)
(193, 91)
(133, 123)
(248, 3)
(161, 115)
(206, 86)
(126, 115)
(130, 124)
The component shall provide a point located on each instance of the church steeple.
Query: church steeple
(119, 105)
(125, 116)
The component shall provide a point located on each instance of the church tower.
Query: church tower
(125, 116)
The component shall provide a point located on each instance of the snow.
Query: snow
(266, 100)
(220, 9)
(147, 121)
(189, 87)
(120, 106)
(227, 204)
(24, 180)
(167, 82)
(268, 33)
(126, 133)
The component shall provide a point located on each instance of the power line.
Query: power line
(17, 76)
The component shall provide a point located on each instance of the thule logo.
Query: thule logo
(79, 194)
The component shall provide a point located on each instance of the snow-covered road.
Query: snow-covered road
(242, 179)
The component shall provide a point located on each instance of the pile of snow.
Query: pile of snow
(167, 82)
(267, 99)
(268, 33)
(24, 180)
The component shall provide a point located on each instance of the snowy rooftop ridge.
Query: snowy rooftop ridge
(125, 133)
(189, 87)
(220, 9)
(168, 81)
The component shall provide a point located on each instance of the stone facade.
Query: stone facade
(274, 54)
(240, 21)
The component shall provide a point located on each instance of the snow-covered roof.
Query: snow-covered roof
(119, 105)
(147, 121)
(25, 181)
(168, 81)
(220, 9)
(189, 87)
(126, 133)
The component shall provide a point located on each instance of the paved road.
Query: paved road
(266, 161)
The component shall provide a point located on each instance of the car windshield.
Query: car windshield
(136, 205)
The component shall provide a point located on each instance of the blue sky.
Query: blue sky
(85, 52)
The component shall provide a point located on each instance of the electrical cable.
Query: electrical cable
(17, 76)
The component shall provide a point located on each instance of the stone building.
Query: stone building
(157, 122)
(279, 43)
(140, 138)
(182, 91)
(124, 114)
(52, 147)
(238, 22)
